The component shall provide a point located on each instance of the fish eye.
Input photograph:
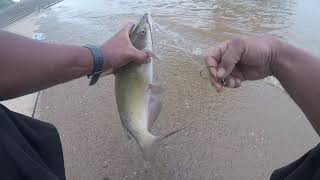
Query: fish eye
(143, 31)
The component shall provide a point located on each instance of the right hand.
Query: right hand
(241, 59)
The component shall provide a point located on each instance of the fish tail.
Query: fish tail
(150, 146)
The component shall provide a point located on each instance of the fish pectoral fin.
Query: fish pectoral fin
(155, 89)
(155, 107)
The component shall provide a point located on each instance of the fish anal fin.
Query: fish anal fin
(155, 107)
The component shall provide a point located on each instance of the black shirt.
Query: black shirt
(31, 149)
(305, 168)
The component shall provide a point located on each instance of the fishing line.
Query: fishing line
(222, 81)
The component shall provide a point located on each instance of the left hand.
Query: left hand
(119, 51)
(241, 59)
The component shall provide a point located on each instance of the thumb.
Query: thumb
(139, 56)
(128, 27)
(226, 67)
(230, 58)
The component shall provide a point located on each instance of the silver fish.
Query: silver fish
(136, 95)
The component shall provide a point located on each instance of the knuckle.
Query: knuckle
(238, 45)
(237, 41)
(227, 62)
(138, 60)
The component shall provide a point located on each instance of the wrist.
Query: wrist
(280, 56)
(98, 62)
(106, 60)
(85, 57)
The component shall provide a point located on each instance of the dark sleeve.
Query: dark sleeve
(29, 148)
(305, 168)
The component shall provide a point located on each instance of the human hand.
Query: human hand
(118, 50)
(240, 59)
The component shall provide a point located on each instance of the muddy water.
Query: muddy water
(239, 134)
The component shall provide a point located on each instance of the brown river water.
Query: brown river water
(244, 133)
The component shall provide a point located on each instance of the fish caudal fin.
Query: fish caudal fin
(150, 146)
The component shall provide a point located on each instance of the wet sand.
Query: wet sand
(242, 134)
(239, 134)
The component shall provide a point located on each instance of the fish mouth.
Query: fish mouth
(148, 19)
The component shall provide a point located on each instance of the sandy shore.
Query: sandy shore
(244, 134)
